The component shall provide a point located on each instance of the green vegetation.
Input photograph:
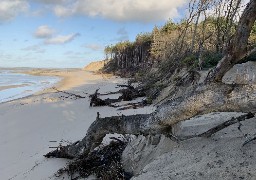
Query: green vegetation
(198, 42)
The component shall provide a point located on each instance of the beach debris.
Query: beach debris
(221, 126)
(77, 96)
(134, 105)
(127, 94)
(249, 140)
(96, 101)
(104, 162)
(60, 150)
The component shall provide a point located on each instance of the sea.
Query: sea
(14, 85)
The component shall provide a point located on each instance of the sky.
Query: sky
(73, 33)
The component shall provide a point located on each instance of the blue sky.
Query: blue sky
(72, 33)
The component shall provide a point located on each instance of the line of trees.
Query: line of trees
(130, 56)
(198, 41)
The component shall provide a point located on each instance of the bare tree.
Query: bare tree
(238, 46)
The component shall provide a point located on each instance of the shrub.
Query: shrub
(211, 59)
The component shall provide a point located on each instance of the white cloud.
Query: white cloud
(51, 1)
(49, 36)
(11, 8)
(34, 48)
(94, 47)
(60, 39)
(122, 10)
(62, 11)
(44, 32)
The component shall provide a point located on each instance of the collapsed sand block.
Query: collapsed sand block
(202, 123)
(241, 74)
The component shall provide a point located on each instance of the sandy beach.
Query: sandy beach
(29, 126)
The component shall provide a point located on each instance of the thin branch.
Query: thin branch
(249, 140)
(221, 126)
(71, 94)
(233, 120)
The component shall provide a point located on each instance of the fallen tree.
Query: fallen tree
(127, 94)
(96, 101)
(104, 163)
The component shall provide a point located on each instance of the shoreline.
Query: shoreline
(24, 87)
(30, 123)
(64, 83)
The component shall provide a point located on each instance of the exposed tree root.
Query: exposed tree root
(195, 101)
(96, 101)
(60, 152)
(126, 95)
(104, 163)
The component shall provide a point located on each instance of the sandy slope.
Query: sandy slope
(28, 124)
(95, 66)
(221, 157)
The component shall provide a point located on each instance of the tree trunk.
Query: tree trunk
(238, 47)
(214, 97)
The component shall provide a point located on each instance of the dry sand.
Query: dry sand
(96, 66)
(220, 157)
(29, 124)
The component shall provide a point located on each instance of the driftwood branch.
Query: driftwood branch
(110, 93)
(96, 101)
(68, 93)
(249, 140)
(126, 86)
(221, 126)
(233, 120)
(133, 105)
(127, 94)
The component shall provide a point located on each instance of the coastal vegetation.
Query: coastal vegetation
(198, 42)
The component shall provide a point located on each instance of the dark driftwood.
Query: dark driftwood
(127, 94)
(249, 140)
(127, 86)
(60, 152)
(221, 126)
(96, 101)
(110, 93)
(134, 105)
(104, 163)
(233, 120)
(130, 94)
(68, 93)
